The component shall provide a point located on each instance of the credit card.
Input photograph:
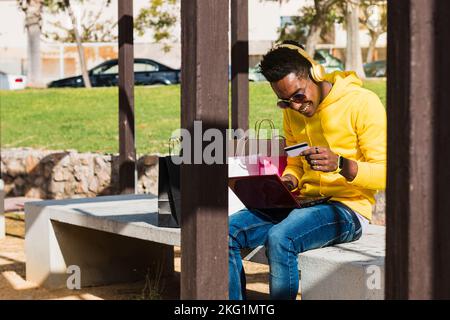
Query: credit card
(295, 150)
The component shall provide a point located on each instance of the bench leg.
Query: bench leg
(103, 258)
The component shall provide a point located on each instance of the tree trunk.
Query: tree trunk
(84, 73)
(322, 8)
(353, 59)
(33, 25)
(313, 39)
(372, 44)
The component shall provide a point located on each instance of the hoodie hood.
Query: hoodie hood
(343, 82)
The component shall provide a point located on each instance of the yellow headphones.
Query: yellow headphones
(317, 70)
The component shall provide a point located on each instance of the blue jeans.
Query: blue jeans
(285, 234)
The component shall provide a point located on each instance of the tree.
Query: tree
(91, 30)
(68, 8)
(33, 24)
(374, 17)
(313, 23)
(161, 16)
(353, 55)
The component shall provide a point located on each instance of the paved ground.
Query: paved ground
(14, 286)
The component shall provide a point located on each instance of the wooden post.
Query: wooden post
(418, 202)
(127, 151)
(204, 195)
(239, 64)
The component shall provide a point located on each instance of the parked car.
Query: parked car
(255, 75)
(375, 68)
(146, 72)
(12, 81)
(330, 62)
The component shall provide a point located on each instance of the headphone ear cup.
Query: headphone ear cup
(318, 72)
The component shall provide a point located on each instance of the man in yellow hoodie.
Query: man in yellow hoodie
(345, 127)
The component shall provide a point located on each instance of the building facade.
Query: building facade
(61, 59)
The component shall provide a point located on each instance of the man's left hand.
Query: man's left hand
(321, 159)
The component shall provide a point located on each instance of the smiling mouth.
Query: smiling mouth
(304, 108)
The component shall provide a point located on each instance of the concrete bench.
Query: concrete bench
(111, 239)
(352, 270)
(116, 239)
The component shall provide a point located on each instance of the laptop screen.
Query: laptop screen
(262, 192)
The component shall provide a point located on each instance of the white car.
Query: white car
(255, 75)
(12, 81)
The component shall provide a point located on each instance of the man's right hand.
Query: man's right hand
(290, 181)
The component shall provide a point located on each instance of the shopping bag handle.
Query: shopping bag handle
(241, 142)
(258, 124)
(272, 126)
(172, 141)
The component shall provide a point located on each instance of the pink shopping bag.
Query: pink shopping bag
(272, 158)
(272, 165)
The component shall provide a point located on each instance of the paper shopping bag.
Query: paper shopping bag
(169, 197)
(272, 158)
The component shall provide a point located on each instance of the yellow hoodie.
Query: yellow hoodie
(351, 121)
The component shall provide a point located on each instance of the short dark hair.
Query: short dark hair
(280, 62)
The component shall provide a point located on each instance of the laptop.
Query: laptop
(269, 192)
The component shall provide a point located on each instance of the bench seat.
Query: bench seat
(353, 270)
(111, 238)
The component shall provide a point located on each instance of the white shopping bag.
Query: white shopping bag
(240, 166)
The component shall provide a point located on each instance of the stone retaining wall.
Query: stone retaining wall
(68, 174)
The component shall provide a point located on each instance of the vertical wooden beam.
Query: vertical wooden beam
(127, 151)
(441, 246)
(398, 71)
(204, 196)
(239, 64)
(418, 205)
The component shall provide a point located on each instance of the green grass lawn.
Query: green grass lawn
(87, 119)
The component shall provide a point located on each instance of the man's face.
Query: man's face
(291, 86)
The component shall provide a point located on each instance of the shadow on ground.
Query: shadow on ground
(13, 284)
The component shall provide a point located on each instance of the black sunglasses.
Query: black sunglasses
(296, 98)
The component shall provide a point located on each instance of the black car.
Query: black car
(375, 68)
(146, 72)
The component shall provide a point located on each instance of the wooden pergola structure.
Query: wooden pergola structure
(418, 205)
(204, 97)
